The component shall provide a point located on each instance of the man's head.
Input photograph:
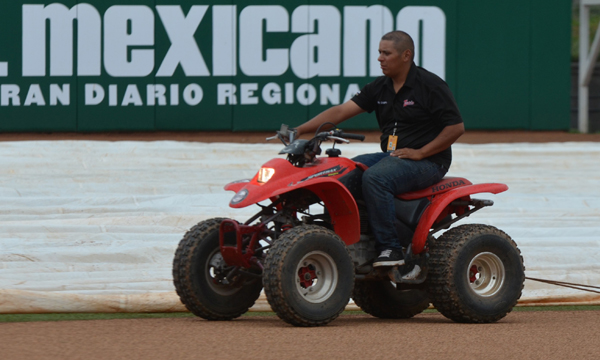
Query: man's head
(402, 42)
(396, 53)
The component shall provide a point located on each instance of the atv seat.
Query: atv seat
(446, 184)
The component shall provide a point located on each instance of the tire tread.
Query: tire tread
(183, 273)
(440, 283)
(274, 265)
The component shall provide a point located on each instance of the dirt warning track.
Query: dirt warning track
(521, 335)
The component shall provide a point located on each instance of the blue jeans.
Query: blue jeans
(386, 177)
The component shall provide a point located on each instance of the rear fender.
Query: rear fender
(439, 205)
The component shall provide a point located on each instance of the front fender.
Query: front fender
(341, 207)
(236, 186)
(321, 181)
(337, 199)
(440, 202)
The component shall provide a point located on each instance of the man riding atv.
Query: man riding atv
(311, 247)
(419, 121)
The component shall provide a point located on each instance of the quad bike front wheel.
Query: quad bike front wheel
(383, 300)
(200, 276)
(308, 276)
(476, 274)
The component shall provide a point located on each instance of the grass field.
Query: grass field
(110, 316)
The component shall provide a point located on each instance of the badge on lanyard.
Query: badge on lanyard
(392, 140)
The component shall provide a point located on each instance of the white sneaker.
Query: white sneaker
(389, 257)
(413, 274)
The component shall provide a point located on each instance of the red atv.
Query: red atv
(311, 248)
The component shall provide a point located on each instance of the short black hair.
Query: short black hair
(402, 41)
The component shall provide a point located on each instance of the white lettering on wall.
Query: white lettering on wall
(61, 40)
(247, 96)
(323, 41)
(193, 94)
(330, 94)
(224, 40)
(289, 93)
(174, 94)
(9, 93)
(275, 61)
(112, 95)
(271, 93)
(226, 94)
(34, 96)
(94, 94)
(432, 54)
(306, 94)
(353, 89)
(130, 26)
(316, 54)
(184, 49)
(156, 94)
(379, 20)
(132, 96)
(60, 94)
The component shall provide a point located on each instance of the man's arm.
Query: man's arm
(335, 114)
(447, 137)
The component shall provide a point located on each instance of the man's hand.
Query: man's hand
(335, 115)
(443, 141)
(407, 153)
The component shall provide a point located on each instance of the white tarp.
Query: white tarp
(92, 226)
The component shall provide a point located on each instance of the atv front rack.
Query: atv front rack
(238, 242)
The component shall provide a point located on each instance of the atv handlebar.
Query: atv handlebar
(338, 135)
(287, 135)
(300, 152)
(353, 136)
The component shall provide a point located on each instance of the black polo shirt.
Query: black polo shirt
(420, 110)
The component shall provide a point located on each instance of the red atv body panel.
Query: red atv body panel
(320, 178)
(440, 207)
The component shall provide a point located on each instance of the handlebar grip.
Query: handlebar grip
(353, 136)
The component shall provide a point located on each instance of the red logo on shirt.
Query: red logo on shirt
(408, 102)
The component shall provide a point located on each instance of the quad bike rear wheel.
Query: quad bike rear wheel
(199, 274)
(308, 276)
(476, 274)
(383, 300)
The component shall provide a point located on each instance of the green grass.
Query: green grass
(5, 318)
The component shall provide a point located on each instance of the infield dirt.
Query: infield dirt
(521, 335)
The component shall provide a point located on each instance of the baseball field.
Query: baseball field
(545, 218)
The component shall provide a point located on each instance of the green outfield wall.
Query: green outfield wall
(223, 65)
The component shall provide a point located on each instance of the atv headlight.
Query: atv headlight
(265, 174)
(240, 196)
